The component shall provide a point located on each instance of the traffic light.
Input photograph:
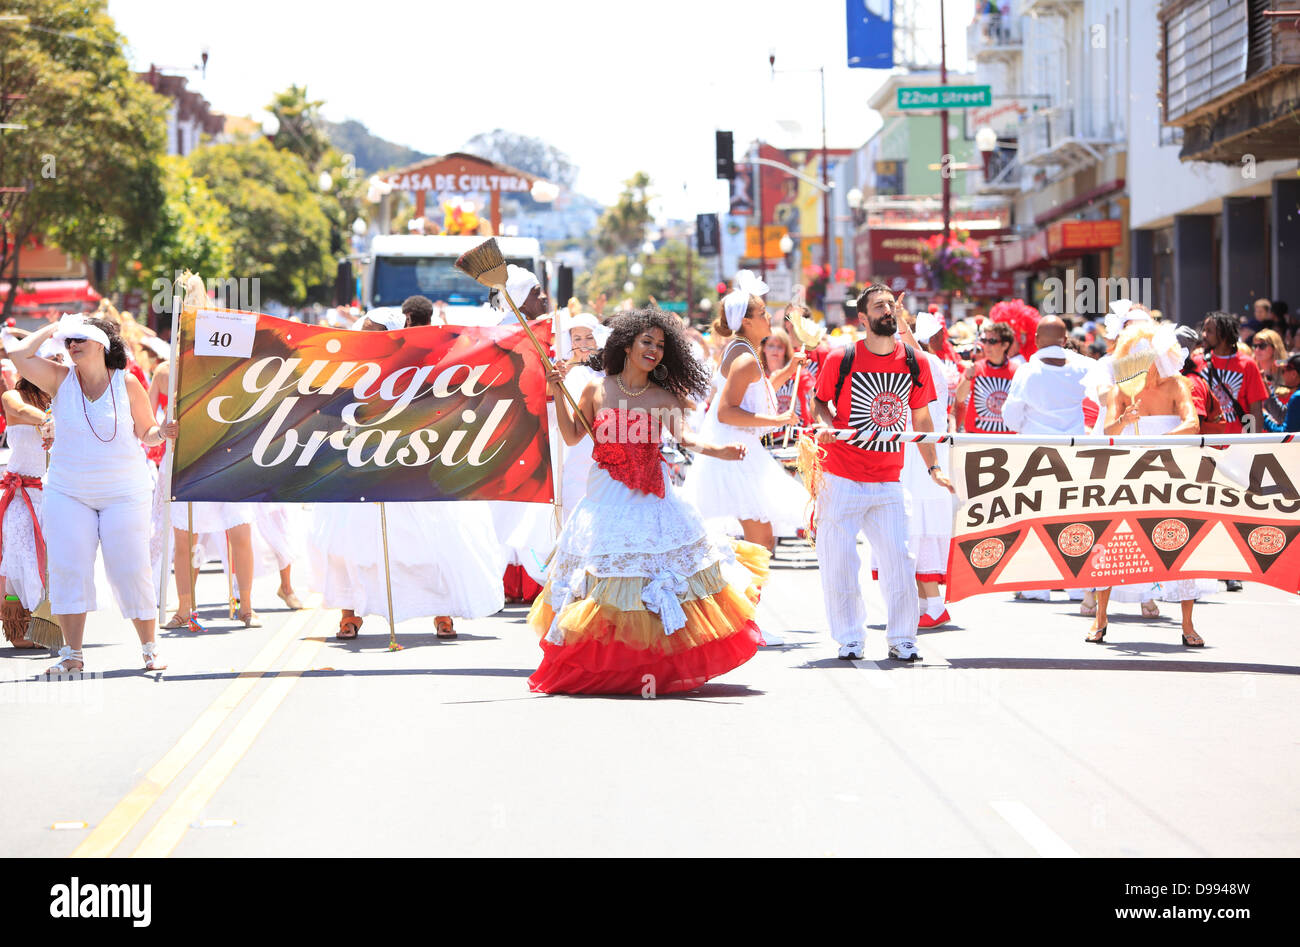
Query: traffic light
(726, 163)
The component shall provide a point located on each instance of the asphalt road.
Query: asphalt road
(1013, 737)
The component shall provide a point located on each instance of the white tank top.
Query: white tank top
(96, 455)
(26, 456)
(759, 398)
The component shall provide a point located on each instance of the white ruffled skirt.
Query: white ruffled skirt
(755, 488)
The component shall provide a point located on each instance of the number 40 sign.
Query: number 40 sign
(229, 334)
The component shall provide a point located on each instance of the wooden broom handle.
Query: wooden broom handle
(546, 360)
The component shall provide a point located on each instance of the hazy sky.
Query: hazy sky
(618, 86)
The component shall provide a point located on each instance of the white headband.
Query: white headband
(734, 305)
(74, 326)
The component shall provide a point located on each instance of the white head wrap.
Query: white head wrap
(927, 324)
(1120, 315)
(75, 326)
(519, 282)
(564, 342)
(747, 282)
(1170, 356)
(390, 317)
(734, 305)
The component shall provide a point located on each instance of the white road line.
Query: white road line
(1034, 830)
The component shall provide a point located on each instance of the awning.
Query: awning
(1063, 239)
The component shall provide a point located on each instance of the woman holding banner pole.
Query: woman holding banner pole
(1163, 406)
(99, 485)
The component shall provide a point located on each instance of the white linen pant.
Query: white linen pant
(880, 511)
(75, 528)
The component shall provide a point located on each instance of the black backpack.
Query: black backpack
(846, 366)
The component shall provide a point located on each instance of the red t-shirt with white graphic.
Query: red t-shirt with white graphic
(988, 393)
(1237, 378)
(877, 396)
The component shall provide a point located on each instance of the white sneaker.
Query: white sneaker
(851, 651)
(905, 651)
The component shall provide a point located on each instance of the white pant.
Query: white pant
(75, 528)
(880, 511)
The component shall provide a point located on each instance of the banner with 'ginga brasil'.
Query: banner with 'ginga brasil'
(285, 412)
(1039, 517)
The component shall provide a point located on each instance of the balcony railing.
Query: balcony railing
(1056, 136)
(993, 37)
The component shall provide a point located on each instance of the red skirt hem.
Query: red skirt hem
(592, 667)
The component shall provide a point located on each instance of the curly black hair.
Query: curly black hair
(115, 354)
(686, 377)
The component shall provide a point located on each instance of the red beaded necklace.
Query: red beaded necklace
(84, 411)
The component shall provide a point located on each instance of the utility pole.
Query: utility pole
(944, 170)
(826, 192)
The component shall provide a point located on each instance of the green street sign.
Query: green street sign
(673, 306)
(945, 97)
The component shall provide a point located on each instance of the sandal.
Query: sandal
(152, 660)
(179, 620)
(1153, 611)
(1195, 641)
(1097, 635)
(348, 628)
(444, 627)
(290, 600)
(66, 654)
(250, 619)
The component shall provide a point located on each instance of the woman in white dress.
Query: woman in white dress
(1165, 407)
(756, 491)
(21, 496)
(442, 562)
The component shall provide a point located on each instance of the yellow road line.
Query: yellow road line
(115, 826)
(173, 824)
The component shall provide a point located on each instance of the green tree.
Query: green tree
(621, 229)
(301, 129)
(193, 232)
(278, 230)
(663, 276)
(86, 168)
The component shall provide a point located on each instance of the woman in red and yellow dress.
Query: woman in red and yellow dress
(639, 597)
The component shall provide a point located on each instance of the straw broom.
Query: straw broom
(485, 264)
(810, 335)
(1131, 372)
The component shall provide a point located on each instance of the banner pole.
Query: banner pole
(1059, 440)
(165, 565)
(388, 579)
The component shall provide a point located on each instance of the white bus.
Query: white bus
(402, 266)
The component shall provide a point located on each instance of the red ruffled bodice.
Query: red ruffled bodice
(627, 448)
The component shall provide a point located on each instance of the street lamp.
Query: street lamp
(787, 245)
(636, 269)
(359, 227)
(324, 182)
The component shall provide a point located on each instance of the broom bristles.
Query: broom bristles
(45, 633)
(484, 264)
(1130, 370)
(808, 463)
